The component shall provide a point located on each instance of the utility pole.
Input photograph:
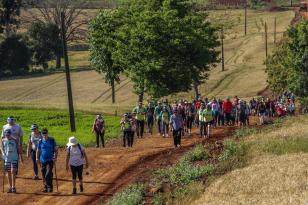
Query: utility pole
(265, 28)
(245, 18)
(68, 76)
(222, 50)
(275, 31)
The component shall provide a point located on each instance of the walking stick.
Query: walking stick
(3, 177)
(56, 177)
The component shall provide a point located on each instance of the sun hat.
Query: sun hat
(72, 141)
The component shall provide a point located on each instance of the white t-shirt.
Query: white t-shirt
(17, 132)
(76, 158)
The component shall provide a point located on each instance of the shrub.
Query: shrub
(133, 195)
(197, 154)
(183, 173)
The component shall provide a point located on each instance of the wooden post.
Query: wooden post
(275, 31)
(68, 76)
(245, 18)
(265, 28)
(222, 50)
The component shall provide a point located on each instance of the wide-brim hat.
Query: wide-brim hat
(72, 141)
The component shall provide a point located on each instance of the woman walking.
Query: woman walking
(76, 158)
(33, 142)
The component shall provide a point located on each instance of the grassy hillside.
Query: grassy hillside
(276, 172)
(244, 74)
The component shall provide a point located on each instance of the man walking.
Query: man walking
(176, 123)
(11, 153)
(46, 155)
(157, 111)
(140, 113)
(16, 130)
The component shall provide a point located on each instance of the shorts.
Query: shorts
(9, 165)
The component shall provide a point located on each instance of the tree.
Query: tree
(165, 46)
(49, 11)
(102, 46)
(287, 67)
(45, 42)
(9, 13)
(15, 56)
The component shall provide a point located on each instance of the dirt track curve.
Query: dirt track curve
(110, 170)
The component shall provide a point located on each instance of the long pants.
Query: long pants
(165, 128)
(150, 123)
(140, 128)
(227, 117)
(202, 128)
(33, 157)
(47, 173)
(159, 126)
(100, 135)
(77, 171)
(221, 119)
(189, 122)
(177, 137)
(128, 138)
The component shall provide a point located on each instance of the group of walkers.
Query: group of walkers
(180, 117)
(43, 151)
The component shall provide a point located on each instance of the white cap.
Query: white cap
(72, 141)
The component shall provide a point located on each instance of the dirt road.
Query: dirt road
(110, 170)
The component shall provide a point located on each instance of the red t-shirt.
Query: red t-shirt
(227, 106)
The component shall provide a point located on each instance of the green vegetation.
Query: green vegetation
(287, 67)
(133, 195)
(57, 122)
(171, 46)
(242, 132)
(197, 154)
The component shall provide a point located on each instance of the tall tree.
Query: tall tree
(45, 42)
(9, 16)
(287, 67)
(165, 46)
(49, 11)
(102, 41)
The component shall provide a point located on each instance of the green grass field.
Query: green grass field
(57, 122)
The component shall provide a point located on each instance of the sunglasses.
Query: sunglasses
(44, 133)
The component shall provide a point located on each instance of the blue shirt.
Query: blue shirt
(176, 122)
(47, 149)
(10, 148)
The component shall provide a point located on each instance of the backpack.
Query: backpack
(70, 147)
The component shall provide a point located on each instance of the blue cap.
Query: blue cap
(34, 126)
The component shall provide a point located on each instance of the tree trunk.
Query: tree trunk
(196, 90)
(113, 91)
(141, 95)
(58, 60)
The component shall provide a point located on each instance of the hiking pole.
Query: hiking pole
(3, 177)
(56, 177)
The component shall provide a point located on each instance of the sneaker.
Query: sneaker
(74, 191)
(167, 135)
(9, 190)
(14, 190)
(45, 190)
(35, 177)
(96, 146)
(49, 190)
(81, 188)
